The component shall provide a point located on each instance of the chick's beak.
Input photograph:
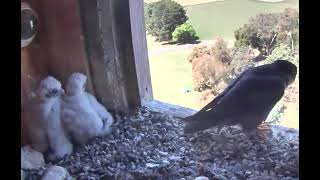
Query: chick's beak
(62, 92)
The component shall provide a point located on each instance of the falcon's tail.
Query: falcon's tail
(201, 121)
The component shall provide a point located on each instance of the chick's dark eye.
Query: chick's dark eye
(54, 91)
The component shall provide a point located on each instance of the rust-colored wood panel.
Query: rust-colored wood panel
(65, 40)
(33, 62)
(57, 49)
(33, 57)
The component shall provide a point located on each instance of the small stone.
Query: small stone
(252, 154)
(152, 165)
(262, 178)
(98, 163)
(174, 158)
(55, 173)
(237, 167)
(31, 159)
(201, 178)
(165, 162)
(163, 153)
(86, 168)
(182, 149)
(104, 160)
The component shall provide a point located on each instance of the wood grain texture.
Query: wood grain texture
(105, 66)
(117, 52)
(140, 49)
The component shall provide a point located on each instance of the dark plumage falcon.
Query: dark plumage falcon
(247, 100)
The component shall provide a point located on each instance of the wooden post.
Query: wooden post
(114, 36)
(140, 48)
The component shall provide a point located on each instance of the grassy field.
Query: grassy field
(171, 72)
(187, 2)
(223, 18)
(170, 76)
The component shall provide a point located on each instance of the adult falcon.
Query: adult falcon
(248, 100)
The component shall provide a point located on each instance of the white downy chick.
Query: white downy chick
(43, 120)
(83, 115)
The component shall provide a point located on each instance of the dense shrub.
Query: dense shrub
(206, 96)
(283, 52)
(211, 66)
(220, 51)
(207, 72)
(241, 60)
(184, 33)
(198, 51)
(202, 72)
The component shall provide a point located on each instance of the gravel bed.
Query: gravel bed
(152, 146)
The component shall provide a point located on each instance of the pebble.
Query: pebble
(55, 173)
(201, 178)
(31, 159)
(156, 148)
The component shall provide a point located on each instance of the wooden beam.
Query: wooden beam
(104, 65)
(140, 48)
(116, 53)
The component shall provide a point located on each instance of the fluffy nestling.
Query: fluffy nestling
(82, 114)
(43, 120)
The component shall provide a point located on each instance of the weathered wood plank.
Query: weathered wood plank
(169, 109)
(106, 73)
(116, 47)
(140, 48)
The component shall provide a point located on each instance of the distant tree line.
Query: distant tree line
(266, 31)
(266, 37)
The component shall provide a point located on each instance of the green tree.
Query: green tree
(288, 28)
(284, 52)
(162, 18)
(242, 36)
(266, 31)
(184, 33)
